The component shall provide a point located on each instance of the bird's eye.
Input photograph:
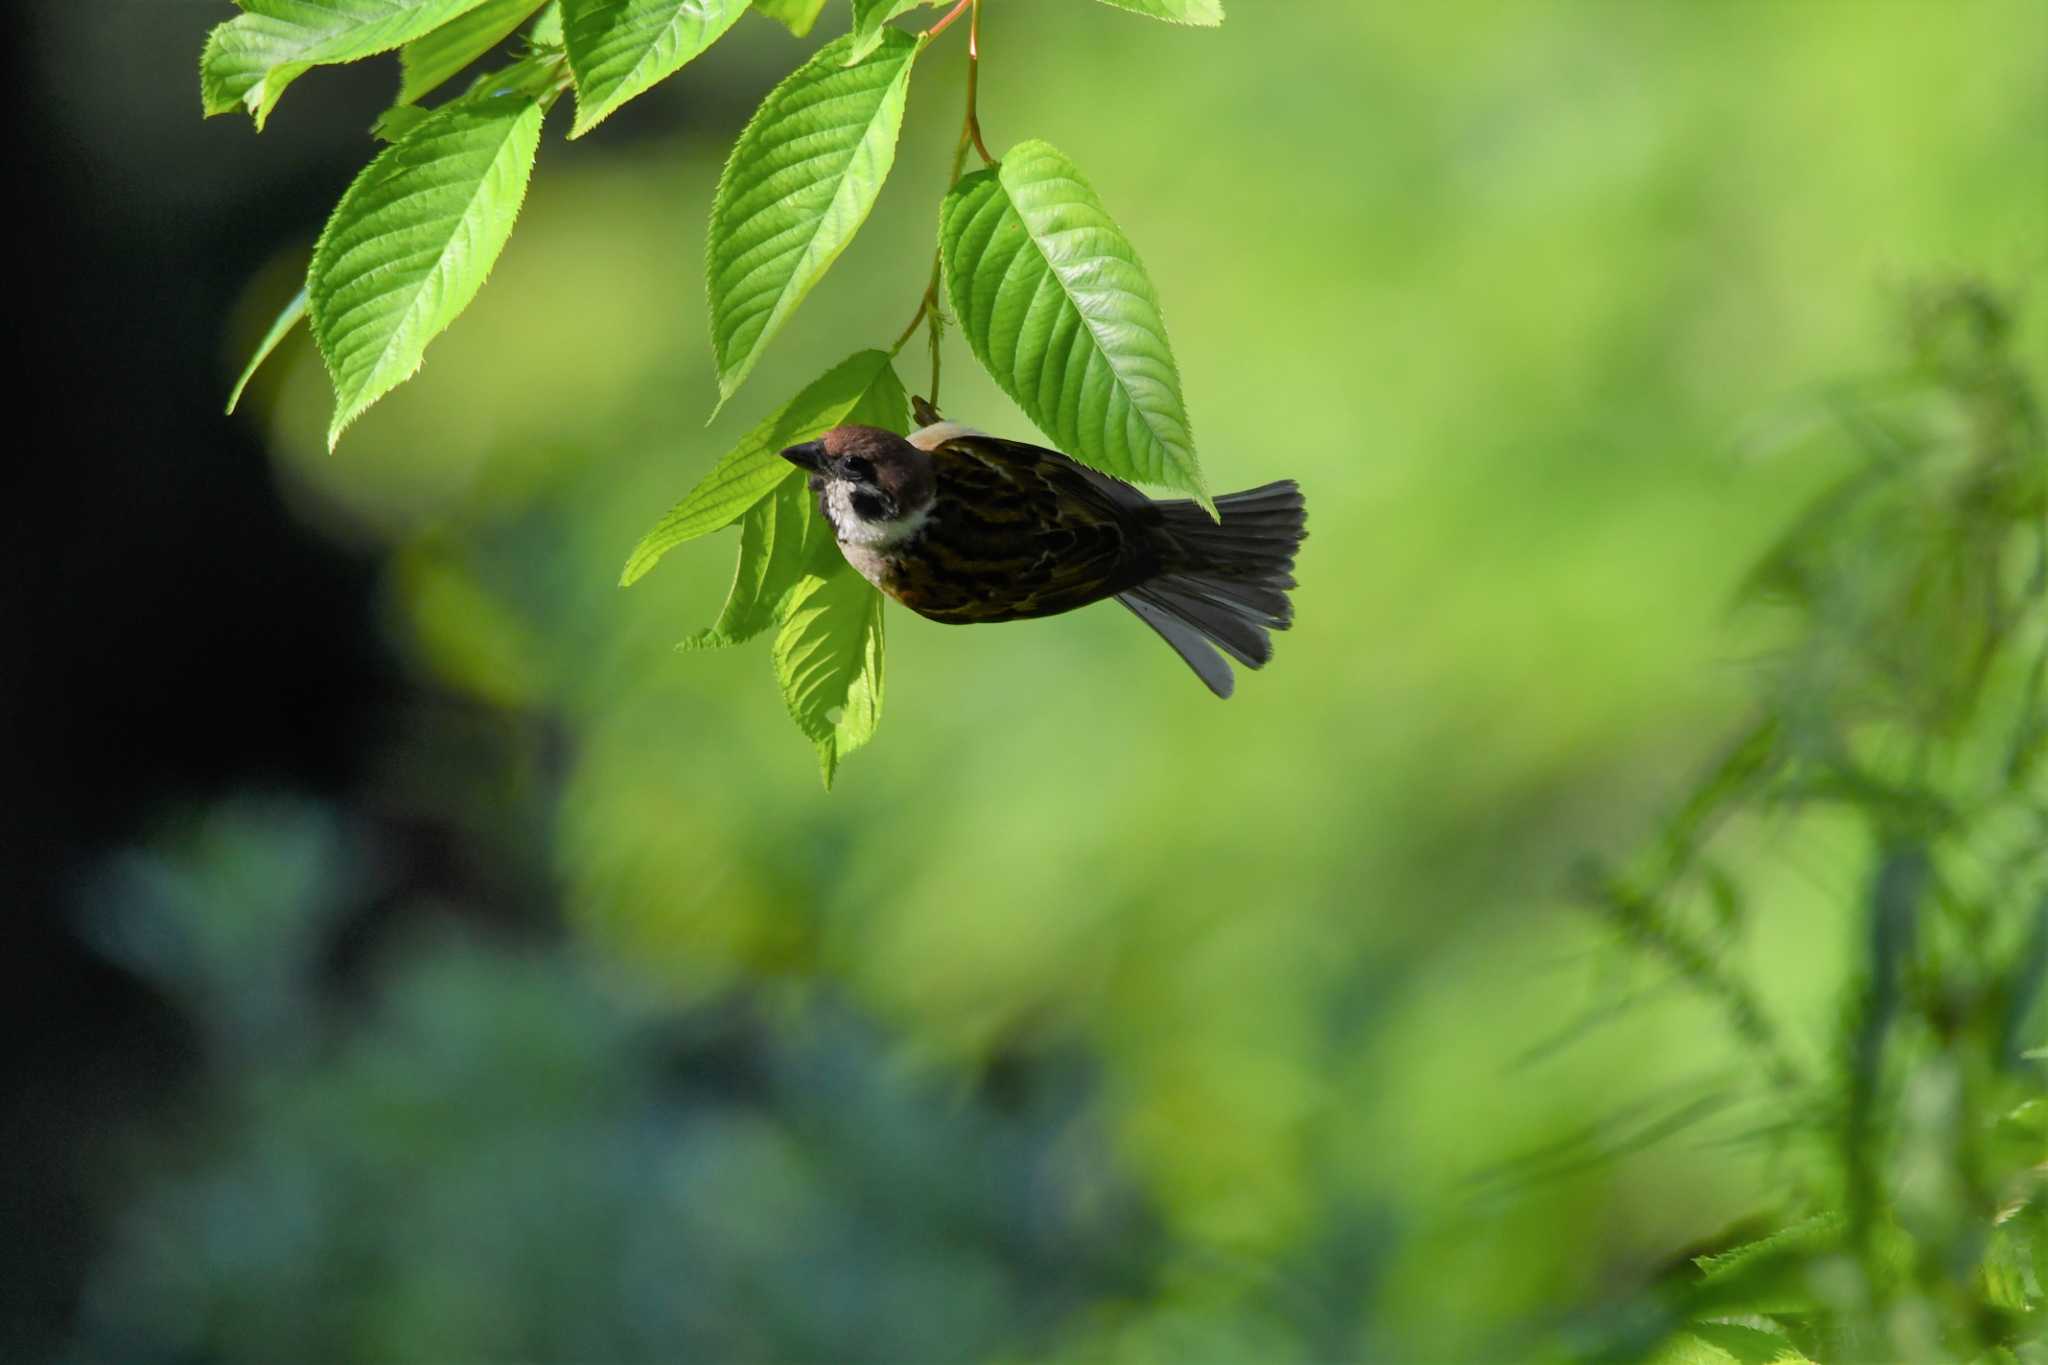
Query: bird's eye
(858, 470)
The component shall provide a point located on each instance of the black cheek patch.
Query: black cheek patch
(870, 506)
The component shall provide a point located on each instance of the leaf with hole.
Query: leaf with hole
(862, 388)
(620, 48)
(828, 658)
(1057, 307)
(413, 239)
(429, 62)
(798, 186)
(795, 15)
(869, 19)
(250, 59)
(1206, 13)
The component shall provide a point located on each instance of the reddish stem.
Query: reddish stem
(940, 27)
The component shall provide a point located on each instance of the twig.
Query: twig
(928, 307)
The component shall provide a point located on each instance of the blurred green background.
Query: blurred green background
(551, 1011)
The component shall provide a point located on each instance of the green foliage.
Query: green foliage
(621, 48)
(861, 386)
(1728, 1343)
(250, 59)
(1057, 307)
(780, 538)
(799, 184)
(400, 119)
(288, 317)
(1493, 351)
(431, 61)
(869, 18)
(1907, 699)
(500, 1152)
(1052, 297)
(828, 653)
(828, 658)
(1207, 13)
(795, 15)
(413, 239)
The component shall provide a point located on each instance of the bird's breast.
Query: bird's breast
(871, 562)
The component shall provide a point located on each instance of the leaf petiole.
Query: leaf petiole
(954, 13)
(970, 135)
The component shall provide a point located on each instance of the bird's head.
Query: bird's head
(874, 486)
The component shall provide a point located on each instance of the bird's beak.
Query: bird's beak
(810, 455)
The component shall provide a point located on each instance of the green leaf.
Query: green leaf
(798, 186)
(286, 320)
(547, 30)
(828, 658)
(795, 15)
(430, 61)
(1721, 1343)
(862, 388)
(250, 59)
(869, 16)
(400, 119)
(1207, 13)
(413, 238)
(1058, 309)
(619, 48)
(1809, 1237)
(781, 537)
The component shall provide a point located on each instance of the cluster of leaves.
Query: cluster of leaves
(1911, 702)
(1049, 292)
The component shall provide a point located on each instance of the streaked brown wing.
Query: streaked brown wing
(1017, 531)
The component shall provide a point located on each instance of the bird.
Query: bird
(967, 528)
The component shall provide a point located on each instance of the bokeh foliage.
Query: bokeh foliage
(1906, 702)
(1342, 1063)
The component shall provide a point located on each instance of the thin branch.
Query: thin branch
(973, 84)
(970, 136)
(954, 13)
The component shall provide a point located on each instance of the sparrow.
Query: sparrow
(963, 527)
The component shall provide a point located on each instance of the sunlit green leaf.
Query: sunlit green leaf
(862, 388)
(428, 62)
(795, 15)
(250, 59)
(1722, 1343)
(413, 239)
(1207, 13)
(828, 658)
(798, 186)
(781, 536)
(869, 19)
(619, 48)
(400, 119)
(287, 319)
(1764, 1276)
(1058, 309)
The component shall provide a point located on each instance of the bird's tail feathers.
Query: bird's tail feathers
(1254, 540)
(1226, 582)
